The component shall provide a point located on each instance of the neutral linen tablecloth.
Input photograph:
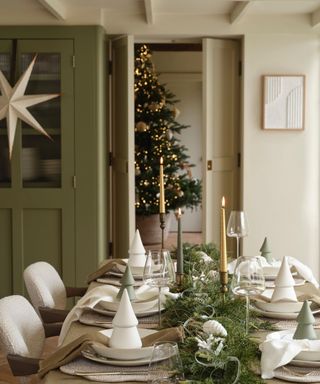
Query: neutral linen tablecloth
(77, 329)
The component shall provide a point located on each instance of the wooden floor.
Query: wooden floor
(5, 373)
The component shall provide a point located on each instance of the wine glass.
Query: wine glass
(248, 280)
(159, 272)
(165, 365)
(237, 226)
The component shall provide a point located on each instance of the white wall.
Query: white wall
(281, 169)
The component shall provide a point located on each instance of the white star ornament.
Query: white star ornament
(14, 104)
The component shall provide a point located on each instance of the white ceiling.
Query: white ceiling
(86, 12)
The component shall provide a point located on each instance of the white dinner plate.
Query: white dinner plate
(298, 282)
(119, 363)
(148, 312)
(305, 363)
(136, 271)
(280, 315)
(279, 306)
(112, 304)
(124, 353)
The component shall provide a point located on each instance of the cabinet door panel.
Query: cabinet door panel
(41, 192)
(6, 251)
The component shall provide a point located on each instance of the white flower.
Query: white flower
(205, 345)
(213, 327)
(214, 275)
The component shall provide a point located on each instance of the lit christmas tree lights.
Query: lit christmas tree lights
(156, 131)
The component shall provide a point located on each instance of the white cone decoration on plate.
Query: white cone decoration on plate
(137, 253)
(125, 332)
(284, 285)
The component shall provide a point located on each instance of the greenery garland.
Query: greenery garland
(201, 300)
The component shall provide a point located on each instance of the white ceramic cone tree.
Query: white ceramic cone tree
(284, 284)
(305, 321)
(137, 253)
(125, 332)
(127, 283)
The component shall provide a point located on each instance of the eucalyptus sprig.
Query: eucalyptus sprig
(200, 301)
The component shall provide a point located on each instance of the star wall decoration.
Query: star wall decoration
(14, 104)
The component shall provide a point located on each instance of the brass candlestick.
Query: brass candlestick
(162, 226)
(179, 279)
(224, 282)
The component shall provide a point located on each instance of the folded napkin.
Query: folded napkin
(89, 300)
(303, 270)
(278, 349)
(72, 350)
(107, 266)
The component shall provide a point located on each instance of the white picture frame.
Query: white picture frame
(283, 102)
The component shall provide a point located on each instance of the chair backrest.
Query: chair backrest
(21, 330)
(44, 286)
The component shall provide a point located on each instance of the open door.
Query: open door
(123, 197)
(221, 132)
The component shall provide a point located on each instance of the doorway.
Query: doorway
(217, 126)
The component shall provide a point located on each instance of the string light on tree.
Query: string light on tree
(156, 131)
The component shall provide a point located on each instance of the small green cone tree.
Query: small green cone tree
(156, 135)
(127, 282)
(265, 251)
(305, 320)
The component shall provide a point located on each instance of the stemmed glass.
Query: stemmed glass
(237, 227)
(165, 365)
(248, 280)
(159, 272)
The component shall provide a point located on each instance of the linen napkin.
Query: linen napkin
(278, 350)
(72, 350)
(89, 300)
(107, 266)
(303, 270)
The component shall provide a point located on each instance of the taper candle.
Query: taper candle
(161, 196)
(179, 244)
(223, 239)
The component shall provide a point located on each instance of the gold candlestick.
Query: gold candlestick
(162, 208)
(223, 249)
(179, 273)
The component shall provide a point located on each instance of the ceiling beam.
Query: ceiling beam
(55, 7)
(148, 6)
(315, 18)
(239, 11)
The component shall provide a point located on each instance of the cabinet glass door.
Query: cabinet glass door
(40, 155)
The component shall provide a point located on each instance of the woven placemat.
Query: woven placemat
(104, 372)
(89, 317)
(109, 279)
(290, 324)
(298, 374)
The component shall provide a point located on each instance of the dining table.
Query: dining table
(77, 329)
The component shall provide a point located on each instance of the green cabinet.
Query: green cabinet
(52, 191)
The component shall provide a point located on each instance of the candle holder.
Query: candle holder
(179, 279)
(162, 226)
(224, 282)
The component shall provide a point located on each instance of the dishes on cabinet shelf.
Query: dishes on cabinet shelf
(51, 168)
(30, 164)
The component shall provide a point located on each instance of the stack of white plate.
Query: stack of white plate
(30, 164)
(51, 168)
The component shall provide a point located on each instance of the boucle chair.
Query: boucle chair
(48, 294)
(21, 335)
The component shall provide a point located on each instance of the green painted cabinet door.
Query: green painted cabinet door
(37, 195)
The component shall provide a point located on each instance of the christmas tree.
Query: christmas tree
(156, 131)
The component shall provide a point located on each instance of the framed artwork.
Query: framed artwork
(283, 102)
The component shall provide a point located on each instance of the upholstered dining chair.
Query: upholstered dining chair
(48, 294)
(22, 335)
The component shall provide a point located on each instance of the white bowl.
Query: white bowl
(282, 307)
(123, 353)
